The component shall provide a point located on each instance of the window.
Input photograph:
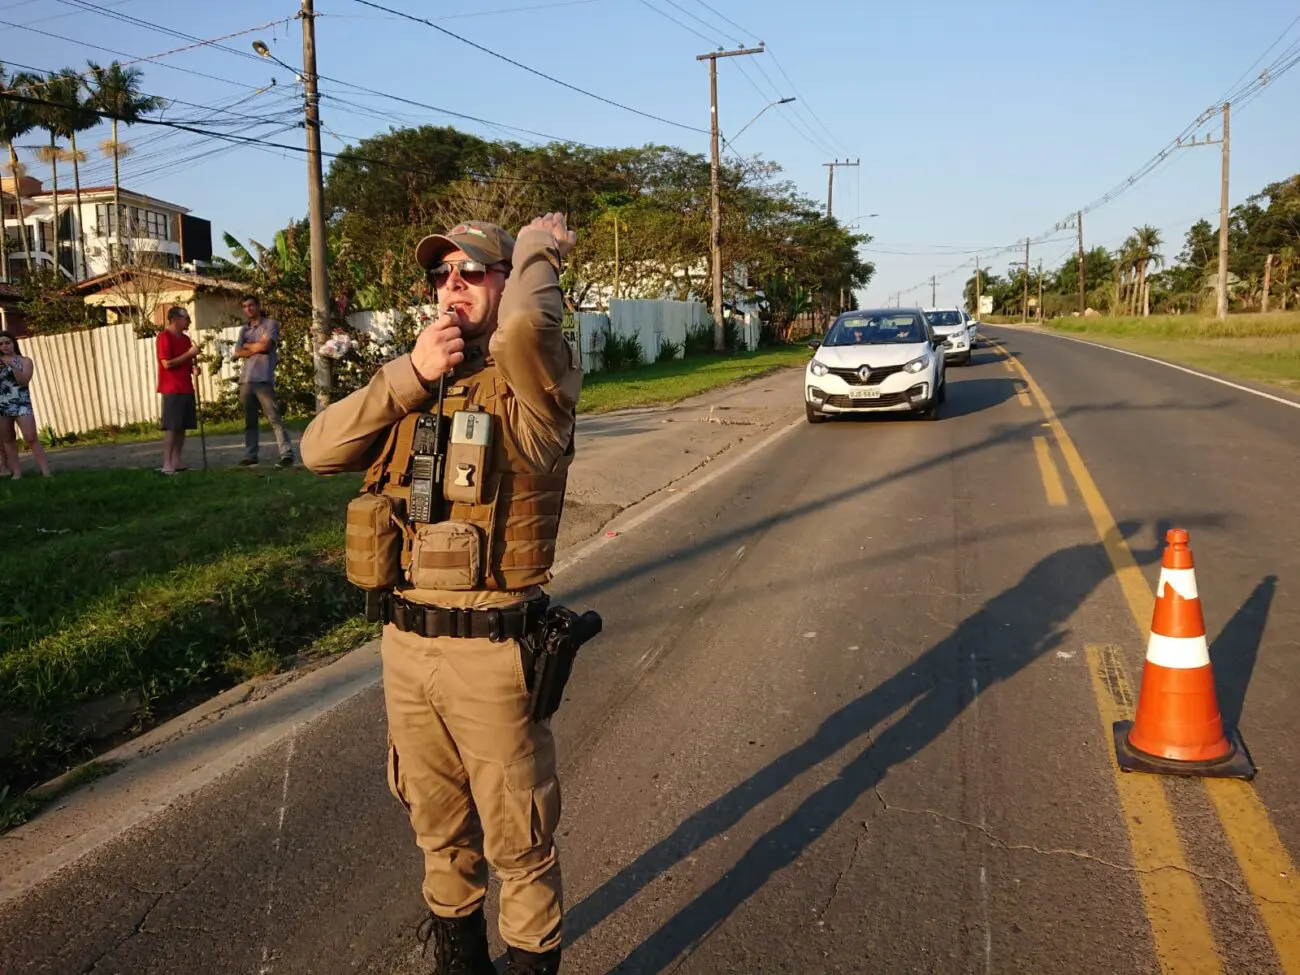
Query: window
(134, 222)
(883, 329)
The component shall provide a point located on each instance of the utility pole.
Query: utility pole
(320, 287)
(1083, 300)
(1223, 223)
(1222, 289)
(719, 331)
(1268, 280)
(1024, 305)
(830, 183)
(1040, 289)
(830, 199)
(931, 290)
(979, 288)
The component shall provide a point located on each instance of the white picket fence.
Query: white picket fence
(106, 377)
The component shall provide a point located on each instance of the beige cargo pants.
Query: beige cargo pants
(477, 778)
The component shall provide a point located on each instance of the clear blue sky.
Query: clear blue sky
(976, 124)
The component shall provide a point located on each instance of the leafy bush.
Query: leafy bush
(668, 351)
(621, 352)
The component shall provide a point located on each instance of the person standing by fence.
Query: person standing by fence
(16, 373)
(258, 345)
(176, 355)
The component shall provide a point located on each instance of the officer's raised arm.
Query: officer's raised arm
(529, 344)
(345, 435)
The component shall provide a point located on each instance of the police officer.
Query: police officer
(474, 771)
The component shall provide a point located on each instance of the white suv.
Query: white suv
(953, 325)
(878, 360)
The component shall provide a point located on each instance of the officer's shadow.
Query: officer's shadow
(1004, 636)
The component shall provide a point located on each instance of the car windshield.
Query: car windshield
(876, 330)
(942, 318)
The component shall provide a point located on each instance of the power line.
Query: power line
(521, 65)
(123, 54)
(262, 144)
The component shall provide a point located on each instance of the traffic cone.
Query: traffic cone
(1179, 729)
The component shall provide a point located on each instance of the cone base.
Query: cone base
(1235, 765)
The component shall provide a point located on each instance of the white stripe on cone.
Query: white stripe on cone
(1181, 581)
(1178, 652)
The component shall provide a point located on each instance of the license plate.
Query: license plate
(864, 394)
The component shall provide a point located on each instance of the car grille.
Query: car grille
(845, 403)
(877, 376)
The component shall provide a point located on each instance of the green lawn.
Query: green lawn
(670, 382)
(1262, 348)
(122, 581)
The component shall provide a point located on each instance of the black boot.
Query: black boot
(530, 963)
(460, 945)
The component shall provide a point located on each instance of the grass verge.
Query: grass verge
(662, 383)
(1261, 348)
(149, 432)
(157, 590)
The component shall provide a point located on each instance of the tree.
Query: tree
(47, 112)
(1146, 254)
(75, 115)
(115, 94)
(1285, 262)
(16, 120)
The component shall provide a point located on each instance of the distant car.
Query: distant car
(953, 325)
(877, 360)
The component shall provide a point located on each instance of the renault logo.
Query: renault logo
(864, 373)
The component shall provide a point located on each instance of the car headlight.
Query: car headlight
(818, 368)
(918, 364)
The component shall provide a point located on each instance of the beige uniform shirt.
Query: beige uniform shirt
(535, 360)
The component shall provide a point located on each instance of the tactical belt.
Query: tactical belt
(513, 623)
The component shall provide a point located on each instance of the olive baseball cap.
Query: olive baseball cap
(484, 242)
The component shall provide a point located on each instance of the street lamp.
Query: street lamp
(783, 101)
(265, 52)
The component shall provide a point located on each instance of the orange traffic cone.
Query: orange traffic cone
(1179, 730)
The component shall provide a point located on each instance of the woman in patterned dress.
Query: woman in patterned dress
(16, 372)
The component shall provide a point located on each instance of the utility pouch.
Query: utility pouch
(446, 555)
(373, 542)
(468, 453)
(549, 654)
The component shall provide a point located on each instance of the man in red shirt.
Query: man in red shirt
(176, 355)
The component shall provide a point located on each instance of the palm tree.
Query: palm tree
(115, 94)
(1147, 255)
(77, 115)
(1125, 266)
(1286, 261)
(15, 122)
(48, 113)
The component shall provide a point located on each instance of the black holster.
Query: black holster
(548, 656)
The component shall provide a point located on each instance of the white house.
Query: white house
(140, 222)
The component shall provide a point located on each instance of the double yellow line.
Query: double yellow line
(1184, 941)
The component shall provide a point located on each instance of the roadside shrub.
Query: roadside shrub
(621, 352)
(668, 351)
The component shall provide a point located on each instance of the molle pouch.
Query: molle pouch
(446, 555)
(373, 542)
(468, 451)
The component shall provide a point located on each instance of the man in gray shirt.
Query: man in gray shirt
(258, 343)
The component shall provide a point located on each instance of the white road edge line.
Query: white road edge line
(1171, 365)
(590, 547)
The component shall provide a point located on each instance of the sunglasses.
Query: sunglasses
(471, 272)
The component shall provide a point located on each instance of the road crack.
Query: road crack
(1073, 853)
(138, 928)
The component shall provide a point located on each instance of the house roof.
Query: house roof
(68, 192)
(199, 282)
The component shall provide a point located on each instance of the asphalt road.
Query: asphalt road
(848, 715)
